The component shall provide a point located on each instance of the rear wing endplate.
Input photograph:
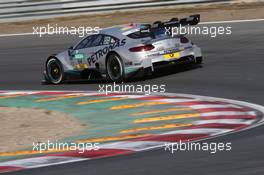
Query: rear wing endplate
(174, 22)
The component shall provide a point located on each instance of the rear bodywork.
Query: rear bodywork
(80, 62)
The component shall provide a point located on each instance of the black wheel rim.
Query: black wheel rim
(54, 71)
(114, 68)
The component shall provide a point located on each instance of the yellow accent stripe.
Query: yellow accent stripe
(112, 138)
(170, 117)
(160, 111)
(30, 152)
(12, 96)
(166, 126)
(138, 105)
(58, 98)
(100, 100)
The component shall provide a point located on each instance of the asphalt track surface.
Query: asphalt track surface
(233, 68)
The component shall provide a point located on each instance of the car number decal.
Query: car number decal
(101, 52)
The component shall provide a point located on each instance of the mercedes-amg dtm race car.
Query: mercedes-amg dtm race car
(123, 51)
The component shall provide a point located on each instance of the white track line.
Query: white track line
(15, 34)
(210, 22)
(214, 106)
(228, 113)
(37, 162)
(17, 93)
(210, 131)
(224, 121)
(179, 100)
(133, 146)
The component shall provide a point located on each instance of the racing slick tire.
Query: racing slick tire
(54, 71)
(115, 68)
(199, 60)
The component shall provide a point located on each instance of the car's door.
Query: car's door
(95, 48)
(102, 46)
(84, 50)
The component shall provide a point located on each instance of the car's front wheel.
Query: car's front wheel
(54, 71)
(115, 68)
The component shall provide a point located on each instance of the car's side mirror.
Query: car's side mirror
(70, 50)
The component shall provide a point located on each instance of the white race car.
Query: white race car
(123, 51)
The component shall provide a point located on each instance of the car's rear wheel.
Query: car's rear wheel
(54, 71)
(115, 68)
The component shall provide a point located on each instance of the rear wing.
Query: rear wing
(174, 22)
